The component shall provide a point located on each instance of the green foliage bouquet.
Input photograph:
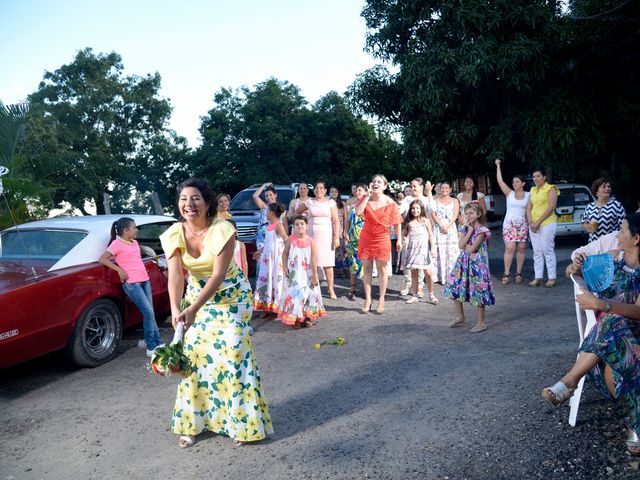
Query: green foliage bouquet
(170, 359)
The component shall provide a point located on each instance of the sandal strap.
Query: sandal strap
(561, 392)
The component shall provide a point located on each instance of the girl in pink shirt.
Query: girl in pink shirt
(134, 277)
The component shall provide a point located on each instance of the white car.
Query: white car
(572, 202)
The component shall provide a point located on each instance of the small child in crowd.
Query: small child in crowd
(270, 276)
(470, 280)
(420, 249)
(301, 301)
(134, 277)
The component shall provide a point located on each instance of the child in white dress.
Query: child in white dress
(301, 302)
(270, 276)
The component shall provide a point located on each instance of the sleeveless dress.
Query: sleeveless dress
(447, 249)
(299, 299)
(321, 230)
(515, 227)
(355, 227)
(616, 340)
(375, 239)
(270, 277)
(470, 279)
(416, 254)
(224, 392)
(342, 260)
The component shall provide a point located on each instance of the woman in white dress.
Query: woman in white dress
(445, 232)
(515, 228)
(324, 229)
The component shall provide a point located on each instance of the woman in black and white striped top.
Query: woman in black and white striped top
(605, 214)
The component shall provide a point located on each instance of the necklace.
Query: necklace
(186, 224)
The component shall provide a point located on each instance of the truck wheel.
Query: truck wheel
(96, 335)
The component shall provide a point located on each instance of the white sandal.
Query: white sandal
(433, 299)
(186, 441)
(557, 394)
(412, 300)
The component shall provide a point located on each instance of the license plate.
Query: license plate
(568, 218)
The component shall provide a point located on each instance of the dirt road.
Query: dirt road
(407, 397)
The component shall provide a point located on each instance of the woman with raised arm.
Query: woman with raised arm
(324, 228)
(380, 212)
(270, 196)
(223, 394)
(515, 228)
(541, 214)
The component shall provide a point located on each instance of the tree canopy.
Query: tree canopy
(108, 130)
(469, 81)
(272, 133)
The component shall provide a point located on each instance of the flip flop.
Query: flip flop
(186, 441)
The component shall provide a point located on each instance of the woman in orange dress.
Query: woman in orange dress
(380, 212)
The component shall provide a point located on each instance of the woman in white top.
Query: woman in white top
(471, 194)
(515, 228)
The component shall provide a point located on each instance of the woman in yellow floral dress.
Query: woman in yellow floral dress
(224, 393)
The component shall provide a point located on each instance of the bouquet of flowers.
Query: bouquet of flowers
(397, 186)
(169, 359)
(338, 341)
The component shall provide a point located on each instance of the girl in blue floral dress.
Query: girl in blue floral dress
(470, 280)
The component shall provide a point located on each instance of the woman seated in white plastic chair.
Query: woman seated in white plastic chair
(610, 353)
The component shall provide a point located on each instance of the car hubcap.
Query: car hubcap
(99, 332)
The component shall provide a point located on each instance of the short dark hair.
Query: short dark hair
(205, 189)
(300, 217)
(597, 183)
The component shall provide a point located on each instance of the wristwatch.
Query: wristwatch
(607, 307)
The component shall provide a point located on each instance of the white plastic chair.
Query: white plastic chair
(586, 321)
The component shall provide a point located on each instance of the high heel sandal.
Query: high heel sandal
(351, 293)
(380, 309)
(366, 308)
(550, 283)
(505, 278)
(518, 278)
(557, 394)
(536, 282)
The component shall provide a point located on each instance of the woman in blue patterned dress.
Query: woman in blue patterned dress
(470, 280)
(610, 353)
(352, 228)
(224, 393)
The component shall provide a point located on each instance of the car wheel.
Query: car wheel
(96, 335)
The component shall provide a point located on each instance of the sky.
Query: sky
(197, 46)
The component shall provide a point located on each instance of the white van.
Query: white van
(572, 202)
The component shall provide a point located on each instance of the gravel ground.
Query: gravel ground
(407, 397)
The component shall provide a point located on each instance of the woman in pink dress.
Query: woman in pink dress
(324, 229)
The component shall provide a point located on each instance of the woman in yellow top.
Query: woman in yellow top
(541, 215)
(222, 209)
(223, 394)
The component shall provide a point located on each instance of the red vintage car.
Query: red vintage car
(55, 295)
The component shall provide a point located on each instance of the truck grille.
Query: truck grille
(247, 231)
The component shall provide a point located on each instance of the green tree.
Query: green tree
(29, 185)
(271, 133)
(475, 80)
(102, 125)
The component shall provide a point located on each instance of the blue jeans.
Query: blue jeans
(140, 294)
